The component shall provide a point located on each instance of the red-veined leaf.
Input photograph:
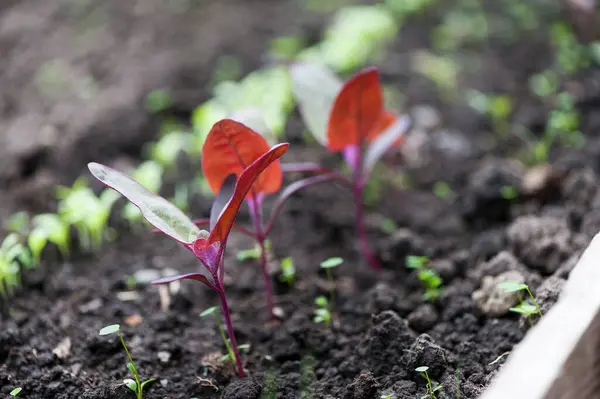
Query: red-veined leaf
(245, 181)
(384, 142)
(315, 88)
(189, 276)
(229, 148)
(357, 110)
(159, 212)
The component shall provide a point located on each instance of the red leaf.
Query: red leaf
(245, 181)
(229, 148)
(357, 110)
(386, 120)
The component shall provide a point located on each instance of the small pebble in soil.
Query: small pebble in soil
(364, 386)
(493, 300)
(423, 318)
(424, 351)
(164, 356)
(541, 242)
(500, 263)
(243, 389)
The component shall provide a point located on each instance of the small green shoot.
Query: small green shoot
(388, 226)
(432, 282)
(524, 307)
(441, 189)
(288, 271)
(135, 384)
(15, 392)
(509, 192)
(423, 371)
(329, 264)
(13, 255)
(322, 314)
(229, 355)
(252, 253)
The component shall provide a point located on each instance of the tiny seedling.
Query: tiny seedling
(13, 256)
(386, 396)
(432, 282)
(322, 314)
(15, 392)
(348, 118)
(207, 246)
(329, 264)
(288, 271)
(524, 307)
(230, 353)
(423, 371)
(135, 384)
(80, 207)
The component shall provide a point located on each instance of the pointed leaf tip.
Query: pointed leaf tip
(356, 110)
(159, 212)
(221, 230)
(229, 148)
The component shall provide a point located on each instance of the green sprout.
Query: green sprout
(80, 207)
(386, 396)
(48, 227)
(388, 226)
(329, 264)
(423, 371)
(252, 253)
(229, 355)
(13, 255)
(167, 148)
(432, 282)
(497, 107)
(288, 271)
(509, 192)
(524, 307)
(15, 392)
(442, 190)
(322, 314)
(40, 230)
(158, 101)
(135, 384)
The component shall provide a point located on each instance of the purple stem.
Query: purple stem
(255, 204)
(361, 231)
(229, 325)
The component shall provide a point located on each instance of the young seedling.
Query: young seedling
(229, 147)
(327, 265)
(15, 392)
(288, 271)
(230, 353)
(80, 207)
(432, 282)
(322, 314)
(348, 118)
(207, 246)
(135, 384)
(423, 371)
(13, 255)
(524, 307)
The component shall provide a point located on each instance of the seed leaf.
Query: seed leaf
(512, 286)
(113, 328)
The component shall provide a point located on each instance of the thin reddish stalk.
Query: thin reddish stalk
(361, 230)
(260, 236)
(230, 332)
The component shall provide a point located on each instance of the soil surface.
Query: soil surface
(384, 329)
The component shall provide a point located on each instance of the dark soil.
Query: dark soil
(384, 330)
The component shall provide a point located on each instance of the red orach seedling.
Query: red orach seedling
(348, 118)
(207, 246)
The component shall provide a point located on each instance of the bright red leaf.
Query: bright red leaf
(230, 147)
(246, 180)
(357, 111)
